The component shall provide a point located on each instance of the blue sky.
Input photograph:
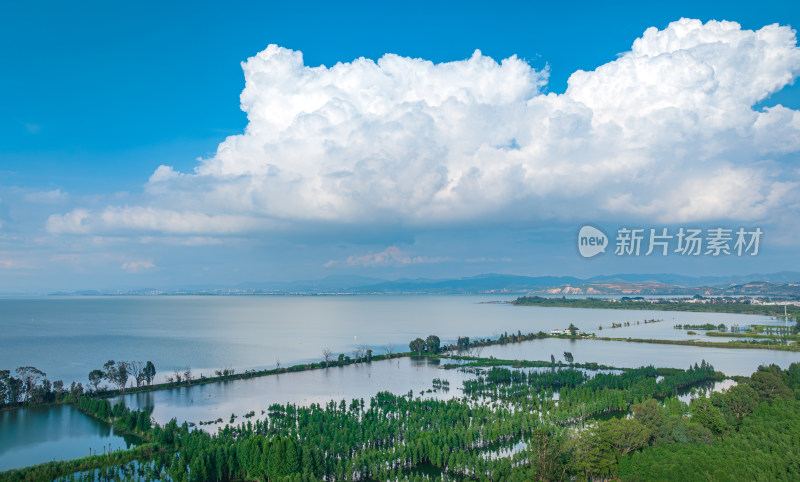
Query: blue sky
(96, 98)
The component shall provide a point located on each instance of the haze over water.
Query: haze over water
(68, 337)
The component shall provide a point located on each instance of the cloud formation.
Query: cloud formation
(152, 219)
(138, 266)
(668, 131)
(55, 196)
(391, 256)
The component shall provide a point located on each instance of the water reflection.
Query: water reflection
(631, 355)
(34, 435)
(208, 333)
(704, 389)
(212, 401)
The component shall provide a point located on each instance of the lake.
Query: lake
(69, 336)
(30, 436)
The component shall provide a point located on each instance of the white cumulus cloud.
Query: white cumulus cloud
(666, 131)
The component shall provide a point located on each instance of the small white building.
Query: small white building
(560, 331)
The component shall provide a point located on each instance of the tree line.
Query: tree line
(715, 305)
(119, 374)
(608, 424)
(30, 386)
(389, 436)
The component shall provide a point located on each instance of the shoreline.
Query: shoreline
(449, 352)
(730, 308)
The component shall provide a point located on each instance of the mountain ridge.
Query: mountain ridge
(619, 283)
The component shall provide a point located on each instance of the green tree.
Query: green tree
(568, 357)
(598, 451)
(29, 376)
(433, 343)
(8, 393)
(625, 434)
(116, 373)
(595, 457)
(122, 375)
(735, 403)
(142, 421)
(548, 454)
(58, 389)
(573, 330)
(769, 383)
(95, 377)
(706, 414)
(14, 390)
(149, 372)
(417, 345)
(653, 416)
(110, 371)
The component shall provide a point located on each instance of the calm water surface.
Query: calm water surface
(30, 436)
(632, 355)
(69, 337)
(219, 400)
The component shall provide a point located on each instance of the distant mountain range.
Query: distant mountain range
(499, 283)
(784, 283)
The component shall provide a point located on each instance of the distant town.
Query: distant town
(770, 289)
